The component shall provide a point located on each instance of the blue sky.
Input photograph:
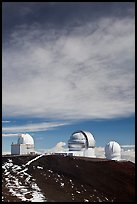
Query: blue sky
(66, 67)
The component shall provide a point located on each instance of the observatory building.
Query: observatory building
(113, 151)
(82, 143)
(25, 145)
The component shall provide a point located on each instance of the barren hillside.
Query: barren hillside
(54, 178)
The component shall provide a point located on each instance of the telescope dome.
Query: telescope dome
(113, 151)
(81, 140)
(25, 139)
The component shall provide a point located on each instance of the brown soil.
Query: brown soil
(75, 179)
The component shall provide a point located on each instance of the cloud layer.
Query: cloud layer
(35, 127)
(80, 72)
(127, 152)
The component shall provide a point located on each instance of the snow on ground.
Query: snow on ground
(20, 183)
(34, 159)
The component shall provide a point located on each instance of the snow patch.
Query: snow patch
(17, 187)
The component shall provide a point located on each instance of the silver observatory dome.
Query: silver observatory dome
(81, 140)
(113, 151)
(25, 139)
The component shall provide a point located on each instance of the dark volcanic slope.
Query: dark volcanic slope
(56, 178)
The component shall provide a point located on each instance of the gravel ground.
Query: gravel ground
(54, 178)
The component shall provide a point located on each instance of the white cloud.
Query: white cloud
(4, 153)
(58, 147)
(100, 152)
(127, 146)
(35, 127)
(127, 152)
(81, 72)
(6, 121)
(9, 134)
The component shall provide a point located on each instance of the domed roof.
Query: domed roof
(90, 138)
(113, 151)
(81, 139)
(25, 139)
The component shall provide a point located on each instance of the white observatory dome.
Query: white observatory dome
(113, 151)
(81, 140)
(25, 139)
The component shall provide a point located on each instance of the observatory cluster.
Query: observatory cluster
(81, 143)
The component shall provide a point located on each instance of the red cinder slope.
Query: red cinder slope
(69, 179)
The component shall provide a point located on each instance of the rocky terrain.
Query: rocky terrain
(56, 178)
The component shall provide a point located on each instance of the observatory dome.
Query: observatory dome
(81, 140)
(113, 151)
(25, 139)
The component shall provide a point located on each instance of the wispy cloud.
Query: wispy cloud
(35, 127)
(9, 134)
(85, 71)
(6, 121)
(128, 146)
